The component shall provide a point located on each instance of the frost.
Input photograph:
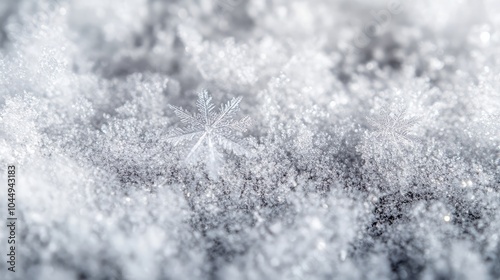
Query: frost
(393, 126)
(210, 129)
(373, 152)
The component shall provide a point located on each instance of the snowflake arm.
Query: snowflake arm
(180, 135)
(205, 106)
(227, 111)
(232, 145)
(185, 116)
(241, 125)
(404, 125)
(198, 144)
(215, 157)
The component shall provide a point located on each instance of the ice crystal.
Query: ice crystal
(104, 191)
(393, 126)
(210, 129)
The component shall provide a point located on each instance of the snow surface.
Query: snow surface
(340, 139)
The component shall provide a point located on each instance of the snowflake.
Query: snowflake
(393, 126)
(210, 129)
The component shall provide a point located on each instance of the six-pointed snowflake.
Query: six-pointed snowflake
(393, 126)
(210, 129)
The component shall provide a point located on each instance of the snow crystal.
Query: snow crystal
(355, 140)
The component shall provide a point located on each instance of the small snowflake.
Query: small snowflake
(210, 129)
(393, 126)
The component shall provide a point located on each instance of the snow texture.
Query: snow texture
(251, 139)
